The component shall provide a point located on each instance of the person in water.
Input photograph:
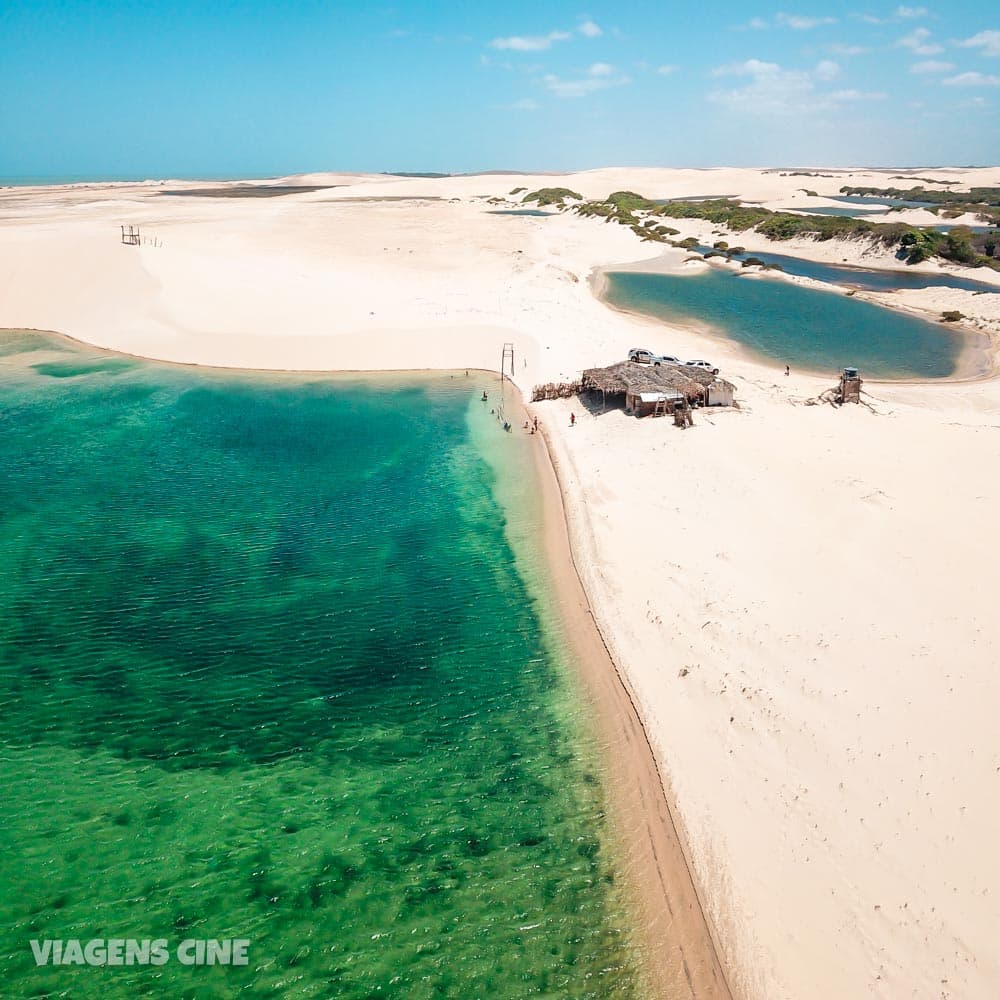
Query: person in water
(485, 397)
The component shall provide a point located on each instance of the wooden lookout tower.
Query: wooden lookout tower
(130, 236)
(505, 357)
(850, 386)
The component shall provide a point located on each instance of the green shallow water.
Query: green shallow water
(270, 669)
(790, 324)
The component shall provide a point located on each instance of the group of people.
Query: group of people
(529, 425)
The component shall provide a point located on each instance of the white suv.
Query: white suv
(643, 357)
(705, 365)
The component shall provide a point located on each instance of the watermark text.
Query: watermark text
(144, 951)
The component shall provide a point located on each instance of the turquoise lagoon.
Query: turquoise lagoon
(271, 668)
(789, 324)
(535, 213)
(861, 277)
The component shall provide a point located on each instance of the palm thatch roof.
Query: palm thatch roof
(629, 377)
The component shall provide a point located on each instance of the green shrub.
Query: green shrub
(919, 244)
(629, 201)
(552, 196)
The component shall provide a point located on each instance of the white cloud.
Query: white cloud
(754, 24)
(770, 93)
(803, 23)
(899, 14)
(782, 20)
(773, 90)
(932, 66)
(582, 87)
(529, 43)
(839, 49)
(525, 104)
(988, 41)
(841, 96)
(973, 80)
(601, 69)
(590, 30)
(749, 67)
(485, 60)
(667, 69)
(916, 41)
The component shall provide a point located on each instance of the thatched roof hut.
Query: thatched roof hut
(634, 381)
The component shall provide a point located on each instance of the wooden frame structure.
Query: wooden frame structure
(850, 386)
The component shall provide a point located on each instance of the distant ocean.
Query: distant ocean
(270, 669)
(32, 180)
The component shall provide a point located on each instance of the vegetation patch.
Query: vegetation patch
(552, 196)
(983, 202)
(915, 243)
(923, 180)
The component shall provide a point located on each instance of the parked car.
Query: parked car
(643, 357)
(704, 365)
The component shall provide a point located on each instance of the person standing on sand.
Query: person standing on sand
(787, 372)
(572, 420)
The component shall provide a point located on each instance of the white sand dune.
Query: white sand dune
(801, 598)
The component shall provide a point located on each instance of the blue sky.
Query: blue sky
(202, 88)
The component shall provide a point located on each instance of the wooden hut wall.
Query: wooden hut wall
(720, 394)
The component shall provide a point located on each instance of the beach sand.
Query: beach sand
(799, 598)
